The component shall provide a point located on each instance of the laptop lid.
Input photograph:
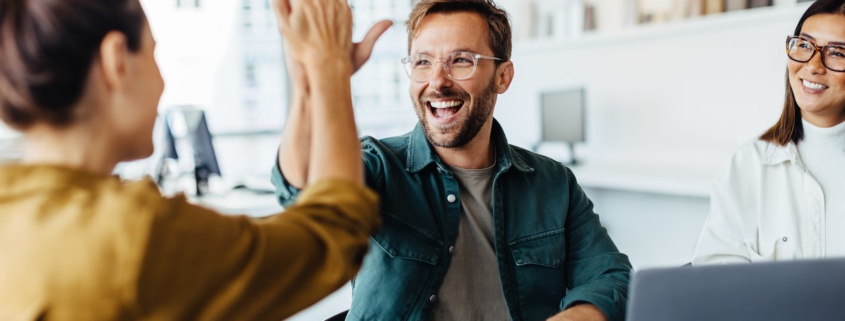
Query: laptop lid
(798, 290)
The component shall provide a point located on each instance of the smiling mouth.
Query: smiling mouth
(813, 85)
(445, 109)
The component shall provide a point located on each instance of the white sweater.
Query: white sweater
(823, 153)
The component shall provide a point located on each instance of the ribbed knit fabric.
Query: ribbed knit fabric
(823, 152)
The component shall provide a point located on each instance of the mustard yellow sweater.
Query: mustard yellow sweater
(80, 246)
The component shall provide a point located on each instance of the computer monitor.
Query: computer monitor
(205, 160)
(562, 117)
(168, 145)
(169, 142)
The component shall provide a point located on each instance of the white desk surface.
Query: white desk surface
(240, 202)
(648, 178)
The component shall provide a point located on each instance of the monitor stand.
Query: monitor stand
(572, 159)
(201, 175)
(570, 146)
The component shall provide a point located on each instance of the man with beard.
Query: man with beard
(474, 228)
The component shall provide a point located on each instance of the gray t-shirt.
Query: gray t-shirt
(472, 289)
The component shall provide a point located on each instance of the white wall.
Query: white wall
(654, 230)
(687, 92)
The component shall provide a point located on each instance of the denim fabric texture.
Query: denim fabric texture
(548, 240)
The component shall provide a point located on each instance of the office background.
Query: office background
(670, 89)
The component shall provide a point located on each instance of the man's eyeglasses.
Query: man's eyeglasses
(801, 49)
(458, 65)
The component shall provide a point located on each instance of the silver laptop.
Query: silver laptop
(799, 290)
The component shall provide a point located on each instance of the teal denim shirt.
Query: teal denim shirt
(548, 240)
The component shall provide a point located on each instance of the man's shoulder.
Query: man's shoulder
(537, 162)
(382, 150)
(395, 144)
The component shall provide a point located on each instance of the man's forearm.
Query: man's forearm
(295, 149)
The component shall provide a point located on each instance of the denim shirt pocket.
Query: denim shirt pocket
(540, 273)
(401, 239)
(401, 259)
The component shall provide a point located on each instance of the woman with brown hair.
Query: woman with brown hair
(79, 79)
(782, 197)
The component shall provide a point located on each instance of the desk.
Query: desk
(240, 202)
(667, 179)
(653, 212)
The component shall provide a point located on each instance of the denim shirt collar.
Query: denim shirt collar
(421, 154)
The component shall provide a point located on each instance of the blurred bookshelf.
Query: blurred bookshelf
(573, 19)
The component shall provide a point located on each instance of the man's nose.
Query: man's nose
(439, 78)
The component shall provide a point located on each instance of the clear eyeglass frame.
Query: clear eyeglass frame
(792, 40)
(408, 61)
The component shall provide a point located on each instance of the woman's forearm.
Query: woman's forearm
(335, 151)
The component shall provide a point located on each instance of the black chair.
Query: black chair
(339, 317)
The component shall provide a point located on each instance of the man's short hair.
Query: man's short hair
(498, 24)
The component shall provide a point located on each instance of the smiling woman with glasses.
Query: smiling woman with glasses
(780, 197)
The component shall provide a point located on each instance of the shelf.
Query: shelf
(725, 20)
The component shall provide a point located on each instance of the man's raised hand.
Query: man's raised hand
(316, 31)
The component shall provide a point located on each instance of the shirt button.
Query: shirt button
(451, 198)
(432, 298)
(451, 249)
(784, 238)
(440, 170)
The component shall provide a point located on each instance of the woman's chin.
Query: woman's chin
(141, 151)
(811, 105)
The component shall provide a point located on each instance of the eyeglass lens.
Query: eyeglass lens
(458, 66)
(802, 50)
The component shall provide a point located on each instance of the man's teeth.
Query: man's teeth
(445, 104)
(813, 85)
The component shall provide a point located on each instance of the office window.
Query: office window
(188, 3)
(380, 89)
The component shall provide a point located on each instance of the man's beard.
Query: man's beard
(468, 127)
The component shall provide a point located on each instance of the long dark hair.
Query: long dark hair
(47, 48)
(789, 127)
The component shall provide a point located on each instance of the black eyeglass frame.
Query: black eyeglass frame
(816, 48)
(475, 57)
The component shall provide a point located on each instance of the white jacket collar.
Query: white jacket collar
(778, 154)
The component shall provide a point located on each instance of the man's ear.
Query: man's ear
(504, 77)
(114, 56)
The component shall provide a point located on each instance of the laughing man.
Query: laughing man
(474, 228)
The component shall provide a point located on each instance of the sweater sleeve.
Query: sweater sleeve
(200, 265)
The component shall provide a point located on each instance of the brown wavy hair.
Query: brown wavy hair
(47, 48)
(498, 21)
(789, 127)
